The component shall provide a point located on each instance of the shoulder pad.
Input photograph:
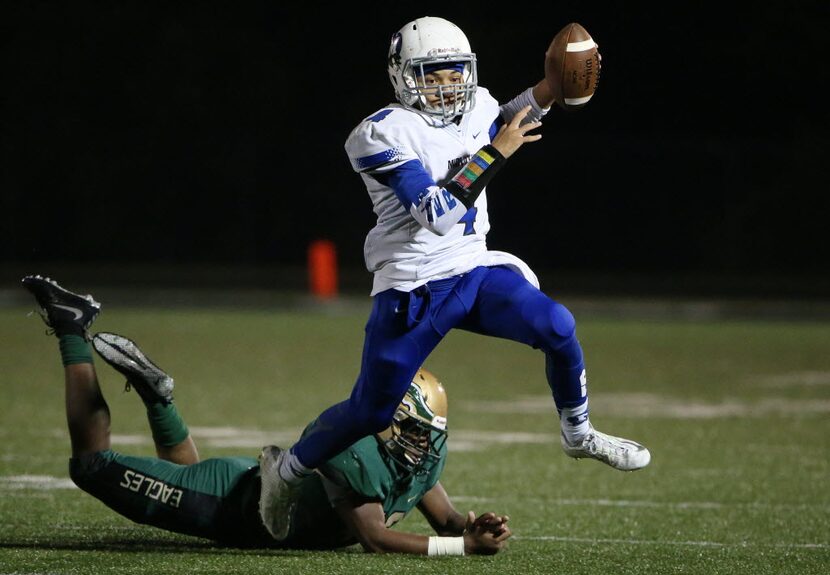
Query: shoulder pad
(380, 140)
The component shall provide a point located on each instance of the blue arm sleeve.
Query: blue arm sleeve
(433, 207)
(409, 181)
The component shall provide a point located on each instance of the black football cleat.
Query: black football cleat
(62, 310)
(148, 379)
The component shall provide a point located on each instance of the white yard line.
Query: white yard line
(639, 405)
(254, 439)
(688, 504)
(539, 502)
(795, 378)
(230, 437)
(680, 543)
(40, 482)
(219, 437)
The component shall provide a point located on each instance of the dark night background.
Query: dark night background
(180, 134)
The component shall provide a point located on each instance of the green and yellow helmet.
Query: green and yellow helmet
(419, 428)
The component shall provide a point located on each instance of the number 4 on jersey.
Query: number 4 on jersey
(468, 220)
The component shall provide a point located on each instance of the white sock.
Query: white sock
(291, 470)
(575, 423)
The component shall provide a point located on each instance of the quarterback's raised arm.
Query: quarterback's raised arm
(543, 94)
(539, 98)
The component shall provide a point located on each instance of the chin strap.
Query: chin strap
(471, 180)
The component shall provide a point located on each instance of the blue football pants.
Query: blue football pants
(404, 327)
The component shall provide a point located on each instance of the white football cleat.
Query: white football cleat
(619, 453)
(148, 379)
(278, 498)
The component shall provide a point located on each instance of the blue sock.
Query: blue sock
(566, 377)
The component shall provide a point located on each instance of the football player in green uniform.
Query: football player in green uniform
(354, 498)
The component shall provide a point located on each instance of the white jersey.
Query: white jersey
(405, 158)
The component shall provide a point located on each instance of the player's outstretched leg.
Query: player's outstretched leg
(155, 387)
(509, 306)
(69, 315)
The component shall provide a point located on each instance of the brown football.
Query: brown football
(572, 65)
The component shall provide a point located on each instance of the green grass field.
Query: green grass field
(736, 415)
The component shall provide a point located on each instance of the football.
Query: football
(572, 65)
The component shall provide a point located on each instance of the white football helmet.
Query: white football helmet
(425, 45)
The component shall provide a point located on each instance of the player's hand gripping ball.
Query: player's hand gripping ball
(572, 65)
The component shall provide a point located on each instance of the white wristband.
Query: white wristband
(446, 546)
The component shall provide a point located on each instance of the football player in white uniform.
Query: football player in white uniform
(425, 161)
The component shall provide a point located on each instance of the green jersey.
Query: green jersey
(365, 471)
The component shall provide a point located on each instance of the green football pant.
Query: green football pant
(217, 498)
